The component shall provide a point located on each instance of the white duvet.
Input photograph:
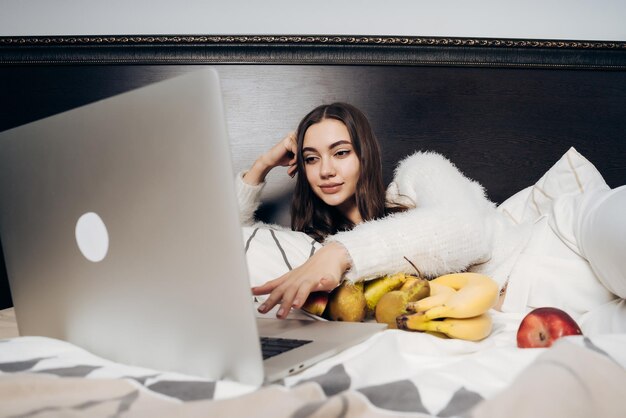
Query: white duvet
(394, 373)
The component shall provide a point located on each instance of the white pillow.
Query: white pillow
(551, 270)
(571, 175)
(601, 233)
(272, 252)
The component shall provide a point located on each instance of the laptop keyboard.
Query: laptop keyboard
(271, 347)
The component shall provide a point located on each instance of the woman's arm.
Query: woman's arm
(249, 184)
(449, 229)
(437, 240)
(282, 154)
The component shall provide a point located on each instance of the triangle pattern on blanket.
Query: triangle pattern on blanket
(401, 396)
(462, 401)
(20, 366)
(73, 371)
(334, 381)
(184, 390)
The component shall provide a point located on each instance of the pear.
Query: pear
(394, 303)
(347, 303)
(375, 289)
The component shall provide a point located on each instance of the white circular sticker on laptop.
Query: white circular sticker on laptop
(92, 237)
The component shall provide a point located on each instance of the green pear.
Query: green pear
(393, 304)
(347, 303)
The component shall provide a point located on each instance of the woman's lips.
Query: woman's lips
(331, 188)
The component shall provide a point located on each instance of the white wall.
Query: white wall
(547, 19)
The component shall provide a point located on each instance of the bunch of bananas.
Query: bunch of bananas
(457, 307)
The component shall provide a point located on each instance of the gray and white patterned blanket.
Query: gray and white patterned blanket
(395, 373)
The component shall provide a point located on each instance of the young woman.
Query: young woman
(431, 214)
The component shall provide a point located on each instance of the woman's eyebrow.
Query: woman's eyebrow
(331, 146)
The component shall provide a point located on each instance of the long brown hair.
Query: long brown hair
(308, 212)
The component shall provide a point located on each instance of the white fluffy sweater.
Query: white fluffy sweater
(451, 227)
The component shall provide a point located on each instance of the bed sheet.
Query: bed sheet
(394, 373)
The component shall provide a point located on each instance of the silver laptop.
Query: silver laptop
(120, 231)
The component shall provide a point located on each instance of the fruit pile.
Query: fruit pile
(453, 305)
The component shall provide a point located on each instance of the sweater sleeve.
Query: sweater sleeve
(447, 230)
(248, 197)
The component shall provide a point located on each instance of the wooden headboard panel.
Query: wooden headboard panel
(502, 110)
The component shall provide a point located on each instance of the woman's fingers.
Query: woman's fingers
(303, 293)
(292, 149)
(286, 301)
(276, 289)
(290, 143)
(267, 287)
(290, 293)
(295, 296)
(282, 294)
(282, 153)
(292, 139)
(272, 300)
(292, 170)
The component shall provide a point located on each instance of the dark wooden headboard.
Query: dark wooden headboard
(502, 110)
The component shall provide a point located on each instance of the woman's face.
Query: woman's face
(332, 166)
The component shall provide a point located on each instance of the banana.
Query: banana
(474, 294)
(377, 288)
(471, 329)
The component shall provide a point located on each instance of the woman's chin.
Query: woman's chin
(333, 200)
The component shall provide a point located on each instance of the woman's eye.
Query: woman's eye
(342, 153)
(310, 160)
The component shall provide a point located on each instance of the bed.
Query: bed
(511, 114)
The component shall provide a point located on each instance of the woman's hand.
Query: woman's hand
(283, 154)
(322, 272)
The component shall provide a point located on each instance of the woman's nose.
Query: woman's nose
(327, 168)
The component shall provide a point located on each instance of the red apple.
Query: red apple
(316, 303)
(542, 326)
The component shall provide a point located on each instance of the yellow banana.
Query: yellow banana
(475, 294)
(471, 329)
(377, 288)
